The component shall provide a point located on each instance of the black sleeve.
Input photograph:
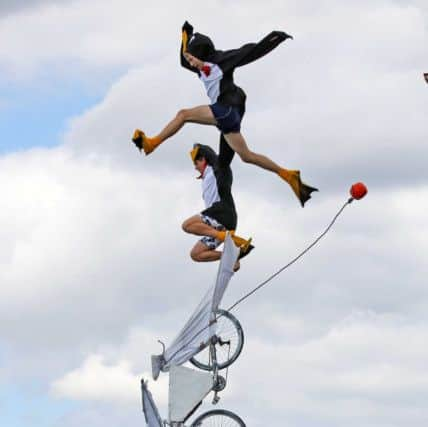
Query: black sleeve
(186, 31)
(230, 59)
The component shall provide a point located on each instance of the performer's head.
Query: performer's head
(193, 61)
(200, 46)
(202, 156)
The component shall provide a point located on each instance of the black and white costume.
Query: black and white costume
(217, 76)
(217, 179)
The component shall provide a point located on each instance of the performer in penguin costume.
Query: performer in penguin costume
(215, 69)
(219, 215)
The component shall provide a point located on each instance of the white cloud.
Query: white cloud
(94, 260)
(99, 381)
(356, 371)
(101, 36)
(95, 267)
(104, 35)
(359, 372)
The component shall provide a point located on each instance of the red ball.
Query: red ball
(358, 190)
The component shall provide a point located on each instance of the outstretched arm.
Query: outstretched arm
(250, 52)
(186, 33)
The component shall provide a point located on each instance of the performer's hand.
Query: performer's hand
(280, 34)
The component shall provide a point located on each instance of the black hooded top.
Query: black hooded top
(223, 210)
(218, 79)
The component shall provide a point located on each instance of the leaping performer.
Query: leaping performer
(220, 214)
(215, 69)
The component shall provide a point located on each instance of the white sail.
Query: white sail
(187, 388)
(150, 410)
(200, 328)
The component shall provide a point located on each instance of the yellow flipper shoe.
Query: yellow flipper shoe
(245, 246)
(142, 142)
(300, 189)
(239, 241)
(245, 250)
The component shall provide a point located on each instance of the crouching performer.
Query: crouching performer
(219, 215)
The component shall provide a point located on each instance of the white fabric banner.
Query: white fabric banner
(197, 332)
(150, 410)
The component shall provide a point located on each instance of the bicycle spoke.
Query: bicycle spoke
(228, 346)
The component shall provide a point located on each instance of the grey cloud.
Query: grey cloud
(12, 6)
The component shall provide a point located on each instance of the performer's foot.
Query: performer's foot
(245, 250)
(300, 189)
(143, 142)
(240, 241)
(137, 138)
(305, 193)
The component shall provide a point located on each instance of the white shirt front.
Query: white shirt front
(212, 82)
(209, 187)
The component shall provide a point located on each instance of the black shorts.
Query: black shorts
(223, 213)
(228, 117)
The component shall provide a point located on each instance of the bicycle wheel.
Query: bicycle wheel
(218, 418)
(228, 346)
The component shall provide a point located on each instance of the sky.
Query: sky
(94, 266)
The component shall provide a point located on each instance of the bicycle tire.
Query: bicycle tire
(218, 418)
(226, 323)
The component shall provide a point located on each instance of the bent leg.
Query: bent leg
(237, 142)
(202, 115)
(292, 177)
(202, 253)
(195, 225)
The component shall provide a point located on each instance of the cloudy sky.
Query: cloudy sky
(95, 267)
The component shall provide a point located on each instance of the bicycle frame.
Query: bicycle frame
(219, 382)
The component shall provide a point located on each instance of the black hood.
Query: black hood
(200, 46)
